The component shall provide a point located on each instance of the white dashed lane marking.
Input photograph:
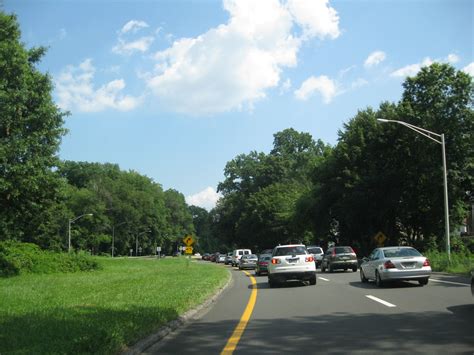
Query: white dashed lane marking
(385, 303)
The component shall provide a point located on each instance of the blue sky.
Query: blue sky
(175, 89)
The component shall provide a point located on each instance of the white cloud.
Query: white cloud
(75, 90)
(127, 43)
(452, 58)
(126, 48)
(412, 69)
(207, 198)
(469, 69)
(316, 18)
(322, 84)
(133, 26)
(374, 59)
(233, 65)
(359, 82)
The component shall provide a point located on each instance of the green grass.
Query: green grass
(101, 311)
(460, 263)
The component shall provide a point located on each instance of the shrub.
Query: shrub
(17, 258)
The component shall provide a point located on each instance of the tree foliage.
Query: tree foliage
(31, 126)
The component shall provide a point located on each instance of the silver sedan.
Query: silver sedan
(395, 263)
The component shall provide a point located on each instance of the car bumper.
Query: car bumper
(391, 275)
(287, 276)
(247, 266)
(340, 264)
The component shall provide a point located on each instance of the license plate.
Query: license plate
(409, 265)
(344, 258)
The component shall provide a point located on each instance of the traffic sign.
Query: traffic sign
(188, 250)
(380, 238)
(188, 240)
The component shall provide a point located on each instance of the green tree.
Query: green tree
(31, 126)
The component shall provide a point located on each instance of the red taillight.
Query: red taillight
(334, 252)
(426, 263)
(388, 265)
(276, 261)
(309, 259)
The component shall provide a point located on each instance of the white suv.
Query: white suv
(291, 262)
(237, 254)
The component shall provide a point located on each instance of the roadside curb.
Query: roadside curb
(162, 332)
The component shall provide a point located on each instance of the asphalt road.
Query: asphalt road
(338, 315)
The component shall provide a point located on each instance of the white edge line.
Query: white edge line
(322, 278)
(385, 303)
(449, 282)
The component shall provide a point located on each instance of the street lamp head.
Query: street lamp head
(382, 120)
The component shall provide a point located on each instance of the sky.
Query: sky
(175, 89)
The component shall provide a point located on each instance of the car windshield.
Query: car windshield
(315, 250)
(342, 250)
(296, 250)
(400, 252)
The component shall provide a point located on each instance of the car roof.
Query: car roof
(290, 245)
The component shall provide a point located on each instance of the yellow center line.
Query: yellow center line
(239, 330)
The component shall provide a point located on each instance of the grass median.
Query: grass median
(100, 311)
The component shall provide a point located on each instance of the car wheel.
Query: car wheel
(312, 280)
(423, 282)
(378, 280)
(323, 268)
(240, 268)
(354, 269)
(257, 273)
(362, 276)
(331, 269)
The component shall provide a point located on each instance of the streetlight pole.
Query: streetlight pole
(72, 220)
(439, 140)
(113, 236)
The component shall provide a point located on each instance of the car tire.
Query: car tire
(378, 280)
(423, 282)
(362, 277)
(323, 268)
(257, 273)
(312, 280)
(354, 269)
(331, 269)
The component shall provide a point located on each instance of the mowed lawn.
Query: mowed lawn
(101, 311)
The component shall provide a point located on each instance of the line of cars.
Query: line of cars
(299, 262)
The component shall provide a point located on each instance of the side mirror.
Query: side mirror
(365, 259)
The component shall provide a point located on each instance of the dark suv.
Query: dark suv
(339, 258)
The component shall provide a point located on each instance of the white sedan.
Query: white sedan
(395, 263)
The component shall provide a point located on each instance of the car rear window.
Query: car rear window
(394, 253)
(342, 250)
(315, 250)
(297, 250)
(265, 258)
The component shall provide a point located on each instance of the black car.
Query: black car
(340, 257)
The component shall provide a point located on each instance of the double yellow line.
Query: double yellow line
(239, 330)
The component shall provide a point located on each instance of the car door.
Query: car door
(371, 265)
(326, 257)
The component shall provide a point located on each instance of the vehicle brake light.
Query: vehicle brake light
(334, 252)
(309, 259)
(426, 262)
(389, 265)
(276, 261)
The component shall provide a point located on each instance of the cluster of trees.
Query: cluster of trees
(40, 196)
(378, 178)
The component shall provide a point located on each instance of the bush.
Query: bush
(18, 258)
(460, 262)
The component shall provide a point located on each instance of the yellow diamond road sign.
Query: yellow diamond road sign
(188, 240)
(188, 250)
(380, 238)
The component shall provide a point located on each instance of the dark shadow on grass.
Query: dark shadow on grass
(81, 329)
